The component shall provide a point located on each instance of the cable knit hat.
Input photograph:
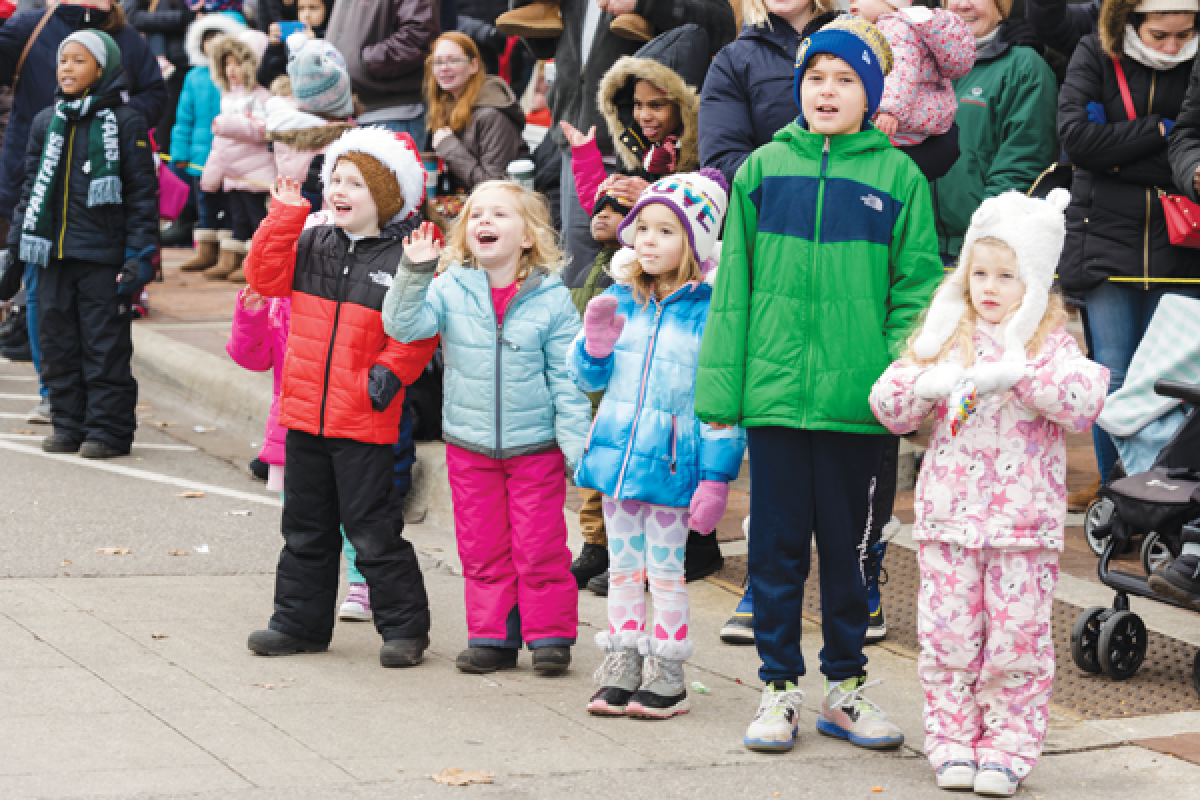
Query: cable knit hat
(390, 164)
(1035, 230)
(857, 42)
(699, 199)
(320, 82)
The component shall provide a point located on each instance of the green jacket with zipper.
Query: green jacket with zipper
(829, 256)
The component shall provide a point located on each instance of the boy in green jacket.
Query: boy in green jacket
(829, 255)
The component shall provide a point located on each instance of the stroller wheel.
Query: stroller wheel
(1097, 524)
(1122, 646)
(1085, 637)
(1155, 553)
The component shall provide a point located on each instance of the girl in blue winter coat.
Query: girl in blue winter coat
(659, 468)
(511, 416)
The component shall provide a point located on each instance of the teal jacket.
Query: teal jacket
(508, 391)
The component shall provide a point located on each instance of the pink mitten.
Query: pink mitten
(708, 506)
(602, 326)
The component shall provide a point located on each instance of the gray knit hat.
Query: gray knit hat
(320, 82)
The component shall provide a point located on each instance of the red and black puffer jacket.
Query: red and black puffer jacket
(337, 288)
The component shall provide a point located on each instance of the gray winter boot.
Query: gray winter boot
(663, 693)
(619, 677)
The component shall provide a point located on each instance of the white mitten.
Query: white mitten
(998, 376)
(938, 382)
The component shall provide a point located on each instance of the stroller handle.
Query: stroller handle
(1187, 392)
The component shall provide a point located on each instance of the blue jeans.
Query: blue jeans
(31, 320)
(414, 127)
(1118, 317)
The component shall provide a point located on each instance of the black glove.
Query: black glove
(12, 272)
(382, 386)
(137, 272)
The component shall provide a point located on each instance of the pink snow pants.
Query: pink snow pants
(512, 539)
(987, 655)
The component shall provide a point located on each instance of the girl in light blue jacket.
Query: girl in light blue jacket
(660, 469)
(512, 417)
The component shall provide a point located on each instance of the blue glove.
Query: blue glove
(1167, 125)
(1096, 114)
(138, 270)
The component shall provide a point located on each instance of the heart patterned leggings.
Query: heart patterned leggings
(647, 541)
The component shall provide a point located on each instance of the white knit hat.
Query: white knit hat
(1167, 6)
(699, 199)
(1035, 230)
(395, 151)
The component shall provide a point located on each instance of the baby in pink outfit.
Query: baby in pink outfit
(930, 48)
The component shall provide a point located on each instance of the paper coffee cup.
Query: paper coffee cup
(430, 161)
(521, 171)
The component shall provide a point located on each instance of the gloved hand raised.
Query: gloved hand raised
(938, 382)
(707, 506)
(602, 326)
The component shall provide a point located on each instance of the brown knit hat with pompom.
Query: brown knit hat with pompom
(381, 182)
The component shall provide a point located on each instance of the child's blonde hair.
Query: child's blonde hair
(643, 282)
(534, 212)
(754, 12)
(963, 337)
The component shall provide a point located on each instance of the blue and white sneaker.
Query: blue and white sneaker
(847, 714)
(957, 775)
(740, 627)
(996, 780)
(774, 727)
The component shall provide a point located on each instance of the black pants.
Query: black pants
(83, 329)
(248, 210)
(328, 482)
(808, 482)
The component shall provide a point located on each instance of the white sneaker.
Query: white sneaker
(774, 727)
(995, 780)
(957, 775)
(848, 714)
(41, 414)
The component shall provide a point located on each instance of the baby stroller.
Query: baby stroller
(1161, 501)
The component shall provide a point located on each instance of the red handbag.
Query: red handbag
(1182, 215)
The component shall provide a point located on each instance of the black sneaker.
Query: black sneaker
(18, 352)
(876, 625)
(551, 661)
(403, 652)
(592, 560)
(95, 449)
(739, 629)
(482, 660)
(702, 557)
(273, 643)
(60, 443)
(259, 469)
(1179, 580)
(599, 584)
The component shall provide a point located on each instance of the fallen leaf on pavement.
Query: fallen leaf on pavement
(113, 551)
(453, 776)
(158, 636)
(65, 563)
(177, 552)
(163, 424)
(266, 685)
(239, 513)
(25, 432)
(190, 494)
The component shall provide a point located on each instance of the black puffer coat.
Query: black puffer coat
(100, 234)
(169, 19)
(1115, 224)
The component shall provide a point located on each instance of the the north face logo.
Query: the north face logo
(872, 202)
(382, 278)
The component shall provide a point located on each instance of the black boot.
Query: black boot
(482, 660)
(592, 560)
(1180, 580)
(14, 329)
(60, 443)
(702, 557)
(403, 652)
(273, 643)
(97, 449)
(259, 469)
(599, 584)
(551, 661)
(22, 351)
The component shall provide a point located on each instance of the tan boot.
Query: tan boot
(633, 27)
(534, 21)
(206, 251)
(1079, 501)
(226, 263)
(238, 275)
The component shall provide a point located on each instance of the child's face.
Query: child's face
(657, 116)
(658, 240)
(77, 69)
(354, 210)
(604, 225)
(311, 13)
(233, 71)
(496, 233)
(209, 41)
(832, 96)
(452, 69)
(996, 287)
(870, 10)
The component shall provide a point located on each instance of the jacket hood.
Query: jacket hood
(1110, 26)
(498, 95)
(223, 23)
(674, 62)
(298, 129)
(234, 46)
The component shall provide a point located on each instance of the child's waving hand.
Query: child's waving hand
(422, 244)
(287, 191)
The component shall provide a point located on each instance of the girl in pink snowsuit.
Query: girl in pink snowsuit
(991, 499)
(258, 343)
(930, 48)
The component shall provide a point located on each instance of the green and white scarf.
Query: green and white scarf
(103, 168)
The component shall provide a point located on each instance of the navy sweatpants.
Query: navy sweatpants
(806, 482)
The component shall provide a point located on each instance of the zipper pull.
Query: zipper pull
(352, 243)
(346, 270)
(826, 144)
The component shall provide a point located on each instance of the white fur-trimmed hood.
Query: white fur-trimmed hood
(195, 35)
(381, 144)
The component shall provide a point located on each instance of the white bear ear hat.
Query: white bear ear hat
(1035, 230)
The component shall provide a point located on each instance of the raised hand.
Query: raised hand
(602, 326)
(421, 245)
(887, 124)
(252, 300)
(574, 137)
(287, 191)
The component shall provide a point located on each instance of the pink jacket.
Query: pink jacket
(297, 136)
(587, 165)
(931, 47)
(258, 343)
(1001, 482)
(239, 158)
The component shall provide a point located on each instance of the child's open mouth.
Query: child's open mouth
(342, 208)
(827, 109)
(486, 237)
